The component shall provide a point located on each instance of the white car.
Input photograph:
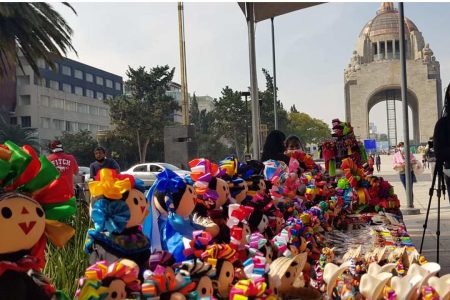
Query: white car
(84, 172)
(147, 172)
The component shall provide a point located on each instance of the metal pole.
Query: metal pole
(246, 125)
(186, 116)
(250, 14)
(274, 78)
(184, 101)
(409, 192)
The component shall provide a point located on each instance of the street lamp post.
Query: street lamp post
(246, 94)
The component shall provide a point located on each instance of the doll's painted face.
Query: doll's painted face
(205, 287)
(22, 223)
(243, 193)
(268, 254)
(138, 206)
(225, 279)
(289, 277)
(116, 290)
(263, 224)
(187, 202)
(223, 190)
(245, 233)
(279, 223)
(262, 186)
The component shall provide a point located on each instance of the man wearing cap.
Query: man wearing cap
(66, 165)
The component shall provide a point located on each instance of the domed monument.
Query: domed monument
(374, 75)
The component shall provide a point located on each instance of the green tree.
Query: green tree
(80, 144)
(229, 118)
(145, 111)
(309, 130)
(34, 29)
(194, 113)
(19, 135)
(209, 141)
(293, 109)
(266, 108)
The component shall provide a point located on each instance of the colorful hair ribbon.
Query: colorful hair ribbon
(109, 185)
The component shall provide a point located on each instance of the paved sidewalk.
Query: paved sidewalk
(415, 223)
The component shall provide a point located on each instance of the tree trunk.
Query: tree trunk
(138, 138)
(144, 150)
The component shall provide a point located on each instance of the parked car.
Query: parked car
(147, 172)
(85, 172)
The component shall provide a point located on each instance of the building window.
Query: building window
(71, 126)
(25, 100)
(93, 128)
(99, 95)
(70, 105)
(66, 70)
(40, 81)
(67, 88)
(57, 103)
(13, 120)
(108, 96)
(118, 86)
(82, 108)
(109, 83)
(45, 123)
(93, 110)
(79, 90)
(44, 100)
(99, 80)
(58, 124)
(103, 112)
(25, 121)
(78, 74)
(89, 77)
(23, 79)
(83, 126)
(54, 84)
(89, 93)
(102, 127)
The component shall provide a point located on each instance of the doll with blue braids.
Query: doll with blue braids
(173, 200)
(117, 216)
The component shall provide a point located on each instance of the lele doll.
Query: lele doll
(117, 215)
(173, 201)
(24, 224)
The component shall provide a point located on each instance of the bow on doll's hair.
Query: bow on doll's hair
(219, 251)
(110, 184)
(200, 240)
(352, 172)
(238, 213)
(23, 171)
(250, 289)
(169, 182)
(90, 286)
(230, 165)
(274, 170)
(203, 172)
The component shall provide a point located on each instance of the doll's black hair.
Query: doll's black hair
(176, 198)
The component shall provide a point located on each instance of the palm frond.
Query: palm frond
(36, 31)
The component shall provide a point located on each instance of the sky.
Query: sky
(313, 47)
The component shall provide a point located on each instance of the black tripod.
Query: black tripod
(439, 191)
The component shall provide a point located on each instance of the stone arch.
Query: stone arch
(394, 91)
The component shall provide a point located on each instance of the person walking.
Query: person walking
(101, 161)
(430, 156)
(378, 162)
(399, 164)
(67, 167)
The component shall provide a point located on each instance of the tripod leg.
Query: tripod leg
(441, 185)
(430, 193)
